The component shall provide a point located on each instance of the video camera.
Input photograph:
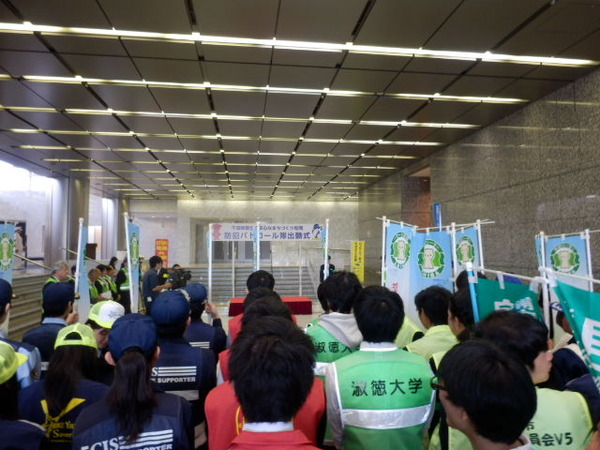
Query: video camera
(179, 278)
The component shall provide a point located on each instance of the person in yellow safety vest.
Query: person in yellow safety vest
(562, 418)
(380, 396)
(409, 332)
(487, 394)
(105, 291)
(60, 272)
(94, 285)
(432, 306)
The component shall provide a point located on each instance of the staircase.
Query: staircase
(225, 285)
(26, 309)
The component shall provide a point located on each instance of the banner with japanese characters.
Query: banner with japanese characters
(358, 260)
(7, 251)
(267, 232)
(133, 261)
(467, 247)
(494, 295)
(161, 248)
(431, 261)
(398, 256)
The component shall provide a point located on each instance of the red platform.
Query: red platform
(298, 305)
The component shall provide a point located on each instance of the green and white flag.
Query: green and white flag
(493, 295)
(582, 309)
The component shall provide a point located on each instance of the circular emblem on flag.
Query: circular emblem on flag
(400, 249)
(135, 251)
(7, 250)
(565, 258)
(431, 259)
(465, 250)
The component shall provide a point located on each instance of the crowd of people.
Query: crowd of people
(361, 375)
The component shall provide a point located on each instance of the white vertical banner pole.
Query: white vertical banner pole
(210, 257)
(78, 269)
(545, 287)
(132, 295)
(454, 257)
(586, 236)
(326, 266)
(480, 247)
(384, 226)
(232, 254)
(257, 246)
(300, 265)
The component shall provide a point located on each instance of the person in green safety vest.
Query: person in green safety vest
(432, 306)
(379, 397)
(60, 272)
(487, 394)
(562, 418)
(336, 334)
(95, 286)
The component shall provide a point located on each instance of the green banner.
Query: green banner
(492, 296)
(582, 309)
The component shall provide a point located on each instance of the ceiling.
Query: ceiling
(270, 99)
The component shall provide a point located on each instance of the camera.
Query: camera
(179, 278)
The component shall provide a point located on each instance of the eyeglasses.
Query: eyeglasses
(435, 384)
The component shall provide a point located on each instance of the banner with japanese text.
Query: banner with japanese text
(161, 248)
(467, 247)
(7, 251)
(492, 295)
(267, 232)
(582, 309)
(398, 255)
(358, 259)
(133, 260)
(431, 262)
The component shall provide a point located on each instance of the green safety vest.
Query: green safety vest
(93, 292)
(104, 283)
(456, 439)
(562, 420)
(386, 399)
(328, 348)
(125, 285)
(406, 335)
(437, 339)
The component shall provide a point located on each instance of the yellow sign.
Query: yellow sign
(358, 259)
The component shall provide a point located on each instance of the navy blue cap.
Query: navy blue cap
(132, 331)
(5, 291)
(170, 308)
(58, 293)
(196, 291)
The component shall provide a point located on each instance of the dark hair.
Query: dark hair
(379, 314)
(266, 306)
(9, 399)
(102, 267)
(519, 334)
(321, 297)
(112, 261)
(462, 279)
(55, 309)
(260, 278)
(461, 308)
(68, 365)
(155, 261)
(271, 368)
(494, 389)
(196, 310)
(131, 397)
(257, 293)
(3, 306)
(339, 291)
(433, 301)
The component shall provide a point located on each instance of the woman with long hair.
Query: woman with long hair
(132, 412)
(68, 388)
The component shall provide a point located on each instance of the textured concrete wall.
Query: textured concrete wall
(536, 170)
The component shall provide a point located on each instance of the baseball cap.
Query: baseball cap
(5, 291)
(10, 360)
(85, 336)
(196, 291)
(132, 331)
(58, 294)
(170, 308)
(105, 313)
